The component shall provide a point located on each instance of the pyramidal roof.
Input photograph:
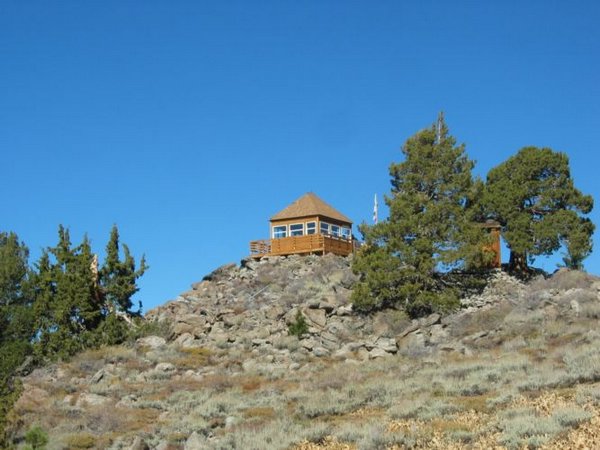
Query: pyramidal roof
(310, 205)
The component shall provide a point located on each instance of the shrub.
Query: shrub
(82, 440)
(588, 394)
(299, 326)
(571, 417)
(36, 438)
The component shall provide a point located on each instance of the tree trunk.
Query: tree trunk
(518, 262)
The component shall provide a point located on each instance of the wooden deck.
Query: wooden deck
(301, 245)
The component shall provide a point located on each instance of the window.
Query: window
(346, 233)
(324, 228)
(297, 229)
(279, 231)
(335, 230)
(311, 228)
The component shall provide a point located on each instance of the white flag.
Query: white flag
(375, 212)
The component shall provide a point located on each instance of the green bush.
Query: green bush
(299, 326)
(36, 438)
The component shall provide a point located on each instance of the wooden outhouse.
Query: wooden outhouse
(494, 228)
(309, 225)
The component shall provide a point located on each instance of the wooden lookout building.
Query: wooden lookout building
(493, 228)
(309, 225)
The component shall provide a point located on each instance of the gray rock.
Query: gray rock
(377, 353)
(313, 303)
(326, 305)
(438, 334)
(88, 399)
(308, 344)
(231, 320)
(98, 376)
(362, 354)
(165, 367)
(414, 326)
(354, 346)
(412, 343)
(343, 353)
(574, 304)
(320, 352)
(430, 320)
(344, 310)
(315, 317)
(153, 342)
(275, 312)
(387, 345)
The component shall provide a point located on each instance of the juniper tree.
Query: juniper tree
(16, 320)
(430, 228)
(118, 278)
(533, 197)
(117, 283)
(15, 316)
(66, 308)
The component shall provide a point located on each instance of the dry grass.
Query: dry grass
(533, 382)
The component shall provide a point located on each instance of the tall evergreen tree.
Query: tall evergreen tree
(16, 320)
(66, 308)
(533, 197)
(118, 278)
(430, 227)
(15, 315)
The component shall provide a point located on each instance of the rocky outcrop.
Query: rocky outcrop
(249, 308)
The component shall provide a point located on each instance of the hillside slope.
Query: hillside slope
(518, 365)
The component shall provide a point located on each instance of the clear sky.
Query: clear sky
(190, 123)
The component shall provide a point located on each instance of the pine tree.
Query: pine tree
(533, 197)
(430, 228)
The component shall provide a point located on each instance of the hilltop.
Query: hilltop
(518, 365)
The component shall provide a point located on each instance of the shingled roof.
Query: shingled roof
(310, 205)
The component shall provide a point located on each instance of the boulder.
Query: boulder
(430, 320)
(414, 326)
(320, 352)
(88, 399)
(152, 342)
(377, 353)
(315, 317)
(438, 334)
(344, 310)
(165, 367)
(412, 343)
(388, 345)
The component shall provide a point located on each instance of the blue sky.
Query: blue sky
(188, 123)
